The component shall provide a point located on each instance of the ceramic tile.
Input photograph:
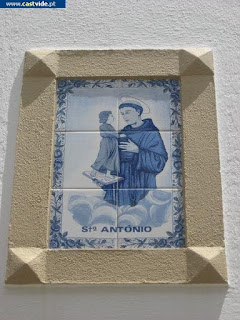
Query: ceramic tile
(156, 164)
(93, 159)
(159, 101)
(82, 219)
(104, 166)
(85, 160)
(155, 219)
(83, 105)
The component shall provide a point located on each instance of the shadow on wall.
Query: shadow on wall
(7, 181)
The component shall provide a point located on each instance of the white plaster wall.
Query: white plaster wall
(126, 24)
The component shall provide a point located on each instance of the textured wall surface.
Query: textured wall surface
(126, 24)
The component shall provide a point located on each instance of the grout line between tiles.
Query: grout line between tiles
(173, 188)
(96, 131)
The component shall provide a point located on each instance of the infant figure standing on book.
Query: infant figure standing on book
(107, 161)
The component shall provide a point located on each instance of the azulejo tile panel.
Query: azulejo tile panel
(82, 102)
(78, 217)
(117, 168)
(157, 221)
(78, 154)
(160, 100)
(80, 160)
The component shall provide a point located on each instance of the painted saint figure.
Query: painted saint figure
(142, 156)
(107, 160)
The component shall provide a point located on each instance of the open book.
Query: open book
(101, 179)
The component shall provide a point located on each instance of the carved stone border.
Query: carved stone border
(203, 260)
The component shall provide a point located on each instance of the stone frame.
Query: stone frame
(30, 261)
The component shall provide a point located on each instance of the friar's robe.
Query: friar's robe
(139, 170)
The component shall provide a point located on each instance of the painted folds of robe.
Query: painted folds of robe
(139, 170)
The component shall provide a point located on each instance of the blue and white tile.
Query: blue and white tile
(156, 221)
(176, 159)
(75, 153)
(88, 214)
(58, 160)
(81, 101)
(150, 169)
(82, 219)
(160, 100)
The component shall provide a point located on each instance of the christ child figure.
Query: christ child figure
(107, 161)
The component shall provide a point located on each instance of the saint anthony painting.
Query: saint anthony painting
(142, 155)
(117, 168)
